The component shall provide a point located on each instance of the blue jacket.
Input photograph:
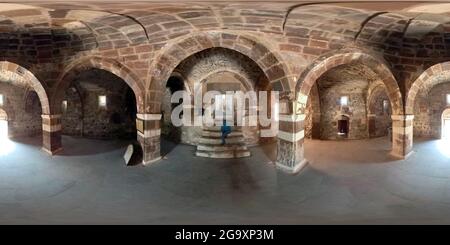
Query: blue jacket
(225, 128)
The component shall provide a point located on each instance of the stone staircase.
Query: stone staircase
(210, 144)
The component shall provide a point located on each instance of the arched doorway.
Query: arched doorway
(445, 128)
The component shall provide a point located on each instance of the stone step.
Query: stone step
(218, 141)
(223, 154)
(218, 134)
(217, 148)
(218, 129)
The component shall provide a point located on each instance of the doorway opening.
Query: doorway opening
(446, 124)
(3, 126)
(343, 126)
(6, 145)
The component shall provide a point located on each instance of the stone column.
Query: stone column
(51, 134)
(371, 119)
(290, 149)
(402, 135)
(149, 136)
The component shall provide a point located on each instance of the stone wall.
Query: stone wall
(85, 117)
(379, 117)
(428, 111)
(23, 109)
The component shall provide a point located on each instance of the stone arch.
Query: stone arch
(177, 51)
(107, 64)
(432, 76)
(18, 74)
(326, 63)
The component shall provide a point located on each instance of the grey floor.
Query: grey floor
(352, 182)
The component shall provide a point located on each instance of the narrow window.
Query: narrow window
(102, 101)
(64, 106)
(448, 99)
(1, 99)
(385, 106)
(344, 101)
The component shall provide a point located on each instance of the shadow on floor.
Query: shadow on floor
(74, 146)
(28, 140)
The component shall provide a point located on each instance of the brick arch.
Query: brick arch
(174, 53)
(107, 64)
(326, 63)
(432, 76)
(17, 73)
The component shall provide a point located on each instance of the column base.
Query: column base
(401, 157)
(149, 162)
(52, 153)
(296, 169)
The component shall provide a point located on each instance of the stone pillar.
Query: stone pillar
(290, 149)
(149, 136)
(402, 135)
(371, 119)
(51, 134)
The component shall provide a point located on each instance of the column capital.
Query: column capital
(149, 117)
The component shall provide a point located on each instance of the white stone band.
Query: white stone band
(402, 130)
(148, 117)
(150, 133)
(290, 136)
(51, 128)
(292, 118)
(402, 117)
(51, 116)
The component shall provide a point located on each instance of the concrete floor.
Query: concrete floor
(352, 182)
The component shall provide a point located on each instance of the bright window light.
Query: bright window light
(64, 105)
(1, 99)
(6, 145)
(344, 100)
(448, 99)
(385, 106)
(102, 100)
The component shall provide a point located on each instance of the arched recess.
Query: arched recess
(434, 75)
(107, 64)
(326, 63)
(402, 125)
(19, 75)
(180, 49)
